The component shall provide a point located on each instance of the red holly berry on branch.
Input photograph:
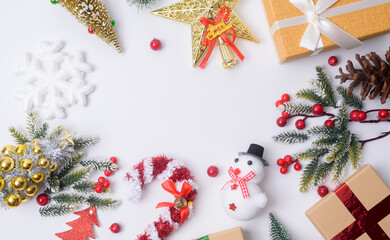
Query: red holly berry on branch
(285, 97)
(99, 188)
(361, 116)
(281, 122)
(317, 109)
(115, 228)
(300, 124)
(113, 159)
(332, 61)
(329, 123)
(107, 173)
(278, 103)
(286, 162)
(101, 180)
(155, 44)
(106, 184)
(383, 115)
(42, 199)
(212, 171)
(285, 114)
(323, 191)
(283, 170)
(354, 115)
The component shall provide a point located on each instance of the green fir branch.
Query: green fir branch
(54, 210)
(323, 170)
(32, 122)
(325, 87)
(83, 142)
(308, 175)
(312, 153)
(340, 147)
(311, 95)
(52, 183)
(100, 165)
(351, 100)
(322, 131)
(340, 166)
(102, 203)
(291, 137)
(56, 133)
(41, 132)
(19, 137)
(69, 198)
(276, 230)
(325, 141)
(73, 178)
(354, 151)
(70, 165)
(85, 186)
(342, 119)
(299, 108)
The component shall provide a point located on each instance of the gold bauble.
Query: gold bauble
(21, 149)
(37, 150)
(37, 177)
(7, 150)
(53, 167)
(6, 164)
(31, 190)
(35, 141)
(26, 164)
(26, 199)
(181, 202)
(19, 183)
(43, 162)
(13, 200)
(2, 183)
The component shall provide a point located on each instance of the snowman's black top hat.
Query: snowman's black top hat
(257, 152)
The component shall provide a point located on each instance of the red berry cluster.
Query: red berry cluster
(282, 121)
(285, 162)
(357, 116)
(109, 173)
(102, 181)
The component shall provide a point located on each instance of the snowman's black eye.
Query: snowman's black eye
(236, 160)
(249, 162)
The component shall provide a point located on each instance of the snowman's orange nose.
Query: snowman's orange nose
(237, 171)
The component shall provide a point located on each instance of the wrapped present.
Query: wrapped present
(231, 234)
(301, 28)
(359, 209)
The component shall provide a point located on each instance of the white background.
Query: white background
(149, 103)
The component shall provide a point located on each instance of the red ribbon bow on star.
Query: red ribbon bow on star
(170, 187)
(241, 181)
(216, 29)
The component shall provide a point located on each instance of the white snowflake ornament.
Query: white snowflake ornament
(53, 80)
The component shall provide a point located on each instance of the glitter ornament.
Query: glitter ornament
(31, 190)
(192, 11)
(38, 177)
(37, 150)
(6, 164)
(19, 183)
(53, 167)
(2, 183)
(8, 150)
(93, 14)
(13, 200)
(43, 162)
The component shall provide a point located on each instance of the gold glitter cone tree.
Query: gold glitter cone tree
(94, 15)
(47, 161)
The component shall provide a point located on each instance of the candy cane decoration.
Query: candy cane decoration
(177, 180)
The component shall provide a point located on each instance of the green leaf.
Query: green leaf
(102, 203)
(299, 108)
(352, 100)
(276, 230)
(291, 137)
(70, 165)
(355, 151)
(54, 210)
(325, 87)
(73, 178)
(311, 95)
(308, 175)
(19, 137)
(312, 153)
(84, 142)
(100, 165)
(323, 170)
(69, 198)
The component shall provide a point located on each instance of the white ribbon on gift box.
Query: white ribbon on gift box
(316, 16)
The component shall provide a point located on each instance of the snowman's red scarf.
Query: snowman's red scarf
(241, 180)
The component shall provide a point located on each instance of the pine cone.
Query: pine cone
(374, 76)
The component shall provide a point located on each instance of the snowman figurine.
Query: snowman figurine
(241, 197)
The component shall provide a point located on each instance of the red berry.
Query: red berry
(99, 188)
(285, 97)
(115, 228)
(323, 191)
(107, 173)
(300, 124)
(317, 109)
(332, 61)
(361, 116)
(353, 115)
(297, 166)
(155, 44)
(280, 162)
(91, 31)
(212, 171)
(106, 184)
(113, 159)
(281, 122)
(283, 170)
(329, 123)
(101, 180)
(288, 159)
(42, 199)
(285, 114)
(383, 114)
(278, 103)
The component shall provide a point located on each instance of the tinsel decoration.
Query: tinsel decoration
(276, 230)
(374, 77)
(55, 161)
(177, 180)
(94, 15)
(141, 4)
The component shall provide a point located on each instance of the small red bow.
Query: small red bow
(170, 187)
(210, 38)
(241, 181)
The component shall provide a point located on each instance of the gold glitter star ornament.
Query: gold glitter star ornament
(67, 139)
(94, 15)
(195, 12)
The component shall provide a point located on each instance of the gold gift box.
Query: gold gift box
(362, 24)
(231, 234)
(331, 216)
